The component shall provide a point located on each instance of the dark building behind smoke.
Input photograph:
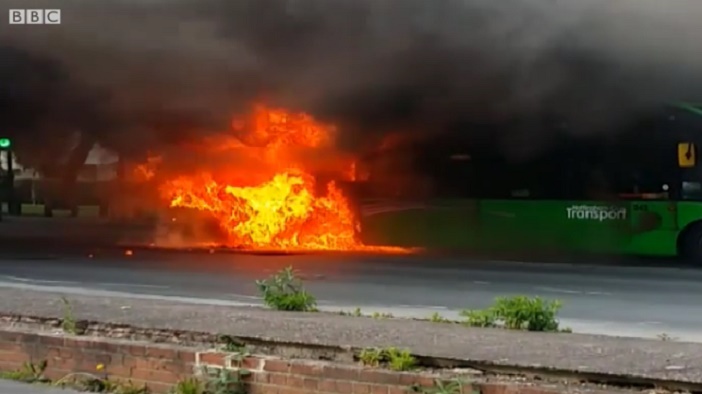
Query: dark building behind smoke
(639, 156)
(137, 75)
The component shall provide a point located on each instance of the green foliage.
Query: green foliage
(28, 373)
(395, 359)
(91, 383)
(68, 324)
(441, 386)
(525, 313)
(34, 373)
(131, 388)
(371, 357)
(437, 318)
(480, 317)
(400, 360)
(356, 313)
(224, 381)
(97, 385)
(189, 386)
(379, 315)
(232, 345)
(219, 381)
(516, 313)
(285, 292)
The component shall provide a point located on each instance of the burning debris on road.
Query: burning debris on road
(260, 184)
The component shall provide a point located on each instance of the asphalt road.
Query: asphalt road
(612, 300)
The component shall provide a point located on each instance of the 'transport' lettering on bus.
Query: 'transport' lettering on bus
(596, 212)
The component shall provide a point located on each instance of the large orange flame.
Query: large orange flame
(282, 213)
(268, 200)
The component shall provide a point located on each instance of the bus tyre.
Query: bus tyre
(691, 244)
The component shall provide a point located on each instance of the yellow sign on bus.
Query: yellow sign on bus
(687, 154)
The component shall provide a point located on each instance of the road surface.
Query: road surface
(629, 301)
(9, 387)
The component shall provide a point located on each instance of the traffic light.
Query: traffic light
(8, 184)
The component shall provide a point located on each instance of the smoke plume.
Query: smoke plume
(138, 73)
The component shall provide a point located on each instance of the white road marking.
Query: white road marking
(419, 306)
(568, 291)
(599, 293)
(556, 290)
(134, 285)
(27, 280)
(66, 282)
(248, 296)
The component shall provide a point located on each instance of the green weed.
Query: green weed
(437, 318)
(517, 313)
(68, 324)
(189, 386)
(453, 386)
(100, 383)
(285, 292)
(28, 373)
(231, 344)
(400, 360)
(525, 313)
(480, 317)
(371, 357)
(393, 358)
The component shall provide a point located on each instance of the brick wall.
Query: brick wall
(160, 366)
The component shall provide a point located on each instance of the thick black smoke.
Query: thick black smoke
(136, 73)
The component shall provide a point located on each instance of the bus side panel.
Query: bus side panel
(548, 226)
(524, 225)
(438, 225)
(654, 228)
(688, 212)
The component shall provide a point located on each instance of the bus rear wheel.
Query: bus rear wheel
(690, 244)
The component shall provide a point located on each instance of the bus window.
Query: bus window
(691, 190)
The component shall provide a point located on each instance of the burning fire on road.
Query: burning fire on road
(261, 185)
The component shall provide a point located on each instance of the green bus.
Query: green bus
(636, 191)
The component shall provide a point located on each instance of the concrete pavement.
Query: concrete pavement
(10, 387)
(626, 301)
(661, 363)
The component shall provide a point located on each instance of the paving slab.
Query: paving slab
(10, 387)
(640, 358)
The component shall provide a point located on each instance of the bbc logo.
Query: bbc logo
(35, 17)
